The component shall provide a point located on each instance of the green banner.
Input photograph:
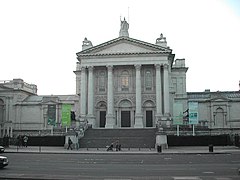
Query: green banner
(51, 115)
(66, 114)
(193, 112)
(178, 114)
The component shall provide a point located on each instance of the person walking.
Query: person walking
(25, 140)
(69, 143)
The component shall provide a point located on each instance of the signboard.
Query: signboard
(51, 115)
(193, 112)
(177, 113)
(66, 114)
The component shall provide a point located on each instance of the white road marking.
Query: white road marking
(167, 158)
(187, 178)
(208, 172)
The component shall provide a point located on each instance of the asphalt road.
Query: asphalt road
(114, 166)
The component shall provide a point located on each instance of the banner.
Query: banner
(178, 114)
(66, 114)
(51, 114)
(193, 112)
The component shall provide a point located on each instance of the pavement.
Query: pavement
(170, 150)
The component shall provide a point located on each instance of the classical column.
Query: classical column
(110, 123)
(166, 89)
(90, 116)
(83, 94)
(138, 116)
(158, 92)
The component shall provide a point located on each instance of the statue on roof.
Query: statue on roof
(124, 28)
(86, 44)
(161, 41)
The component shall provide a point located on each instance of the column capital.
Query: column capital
(90, 68)
(158, 66)
(165, 66)
(110, 67)
(82, 68)
(138, 66)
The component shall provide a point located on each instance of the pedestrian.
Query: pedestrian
(25, 140)
(110, 148)
(77, 141)
(19, 140)
(117, 145)
(69, 143)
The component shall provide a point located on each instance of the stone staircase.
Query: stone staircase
(127, 137)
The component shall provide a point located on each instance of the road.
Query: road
(116, 166)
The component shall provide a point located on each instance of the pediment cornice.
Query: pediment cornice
(137, 47)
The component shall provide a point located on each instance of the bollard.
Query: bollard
(159, 149)
(210, 148)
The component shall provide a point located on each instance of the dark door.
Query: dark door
(125, 119)
(102, 118)
(149, 120)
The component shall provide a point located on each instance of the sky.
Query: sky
(39, 39)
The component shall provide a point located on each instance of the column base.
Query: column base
(138, 121)
(110, 121)
(91, 120)
(77, 124)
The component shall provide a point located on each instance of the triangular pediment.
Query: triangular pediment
(124, 45)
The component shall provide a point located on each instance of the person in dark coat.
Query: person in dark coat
(110, 148)
(69, 143)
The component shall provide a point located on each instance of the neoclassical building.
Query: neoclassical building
(126, 82)
(121, 83)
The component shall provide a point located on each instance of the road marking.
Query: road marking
(119, 179)
(167, 158)
(187, 178)
(208, 172)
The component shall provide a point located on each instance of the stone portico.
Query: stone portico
(124, 82)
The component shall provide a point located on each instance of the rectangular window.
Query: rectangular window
(101, 82)
(148, 80)
(125, 83)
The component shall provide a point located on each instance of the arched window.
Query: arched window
(101, 81)
(148, 80)
(125, 81)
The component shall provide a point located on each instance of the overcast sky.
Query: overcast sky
(39, 39)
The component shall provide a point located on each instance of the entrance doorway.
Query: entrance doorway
(125, 119)
(102, 118)
(149, 119)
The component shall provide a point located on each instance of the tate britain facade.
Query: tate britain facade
(122, 83)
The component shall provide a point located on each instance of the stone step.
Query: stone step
(128, 138)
